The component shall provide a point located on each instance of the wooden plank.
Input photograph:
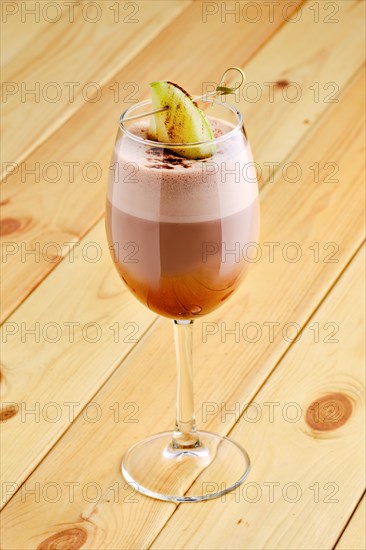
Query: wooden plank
(86, 44)
(64, 348)
(69, 145)
(354, 536)
(62, 215)
(306, 213)
(314, 74)
(62, 319)
(310, 451)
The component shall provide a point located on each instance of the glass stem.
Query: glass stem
(185, 435)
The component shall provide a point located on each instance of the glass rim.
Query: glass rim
(152, 143)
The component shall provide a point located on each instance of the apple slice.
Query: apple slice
(181, 122)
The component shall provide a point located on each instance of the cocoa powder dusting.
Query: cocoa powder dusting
(161, 158)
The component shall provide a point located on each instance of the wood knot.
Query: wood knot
(329, 412)
(8, 412)
(12, 225)
(282, 83)
(9, 225)
(69, 539)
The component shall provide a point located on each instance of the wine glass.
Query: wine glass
(178, 229)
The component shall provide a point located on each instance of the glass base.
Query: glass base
(153, 467)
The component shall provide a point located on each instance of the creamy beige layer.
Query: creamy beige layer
(155, 184)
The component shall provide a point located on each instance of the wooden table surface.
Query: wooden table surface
(87, 371)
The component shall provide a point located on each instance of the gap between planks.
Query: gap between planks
(279, 531)
(314, 129)
(357, 508)
(270, 374)
(51, 125)
(264, 184)
(85, 230)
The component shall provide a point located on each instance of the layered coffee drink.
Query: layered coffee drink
(179, 228)
(182, 211)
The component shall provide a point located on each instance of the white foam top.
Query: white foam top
(155, 184)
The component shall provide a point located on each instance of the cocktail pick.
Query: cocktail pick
(221, 89)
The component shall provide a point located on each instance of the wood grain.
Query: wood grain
(83, 324)
(121, 381)
(297, 84)
(62, 211)
(87, 45)
(19, 29)
(317, 474)
(232, 373)
(354, 536)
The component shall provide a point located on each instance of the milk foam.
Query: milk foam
(157, 185)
